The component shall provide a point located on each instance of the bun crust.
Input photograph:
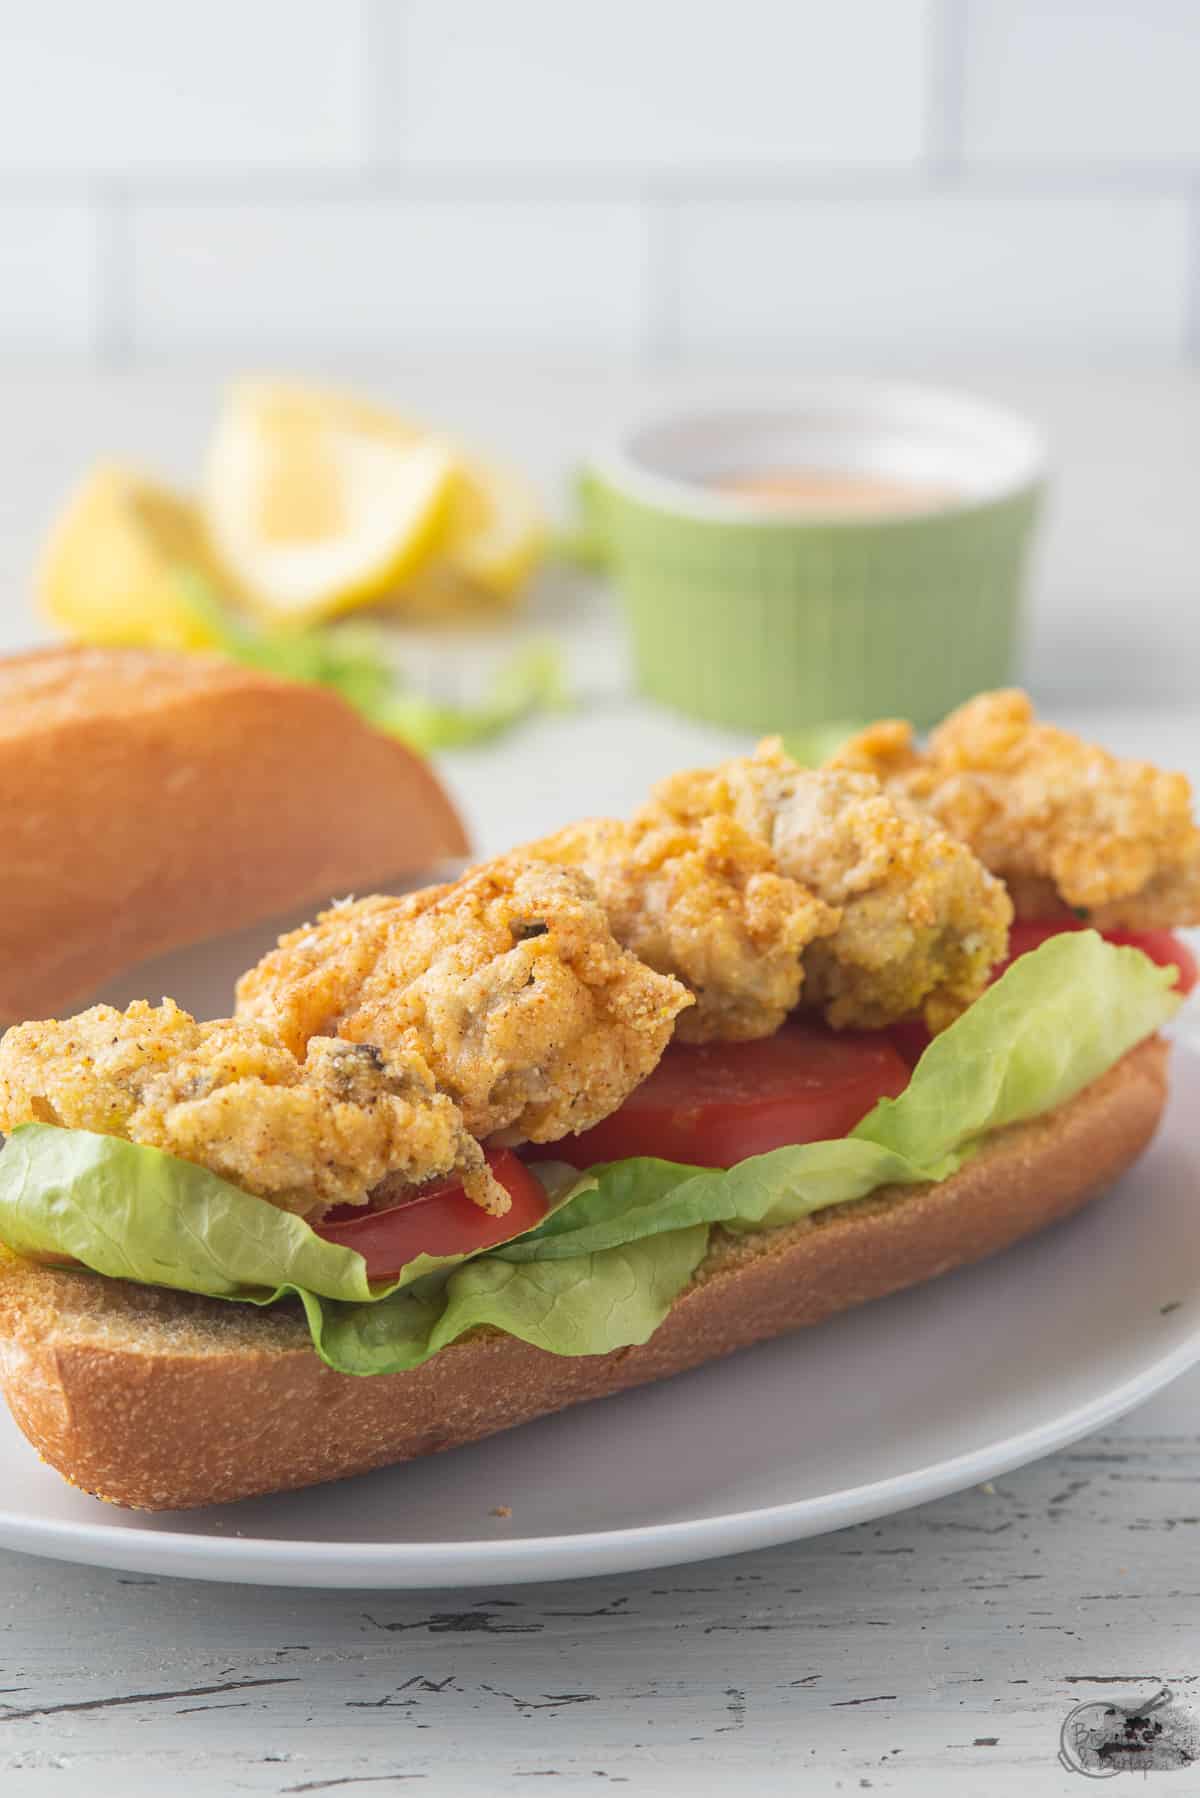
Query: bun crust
(209, 797)
(164, 1401)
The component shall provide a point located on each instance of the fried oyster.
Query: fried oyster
(1067, 826)
(762, 885)
(919, 922)
(306, 1134)
(702, 899)
(509, 983)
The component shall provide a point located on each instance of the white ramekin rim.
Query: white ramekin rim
(1013, 441)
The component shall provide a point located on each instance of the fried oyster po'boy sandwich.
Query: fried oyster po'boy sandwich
(642, 1093)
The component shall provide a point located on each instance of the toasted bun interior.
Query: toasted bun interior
(164, 1401)
(149, 800)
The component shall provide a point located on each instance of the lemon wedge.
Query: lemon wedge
(491, 542)
(495, 531)
(317, 503)
(111, 568)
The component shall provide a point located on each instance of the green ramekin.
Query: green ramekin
(765, 620)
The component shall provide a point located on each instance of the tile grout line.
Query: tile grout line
(661, 343)
(586, 185)
(1190, 347)
(946, 105)
(371, 90)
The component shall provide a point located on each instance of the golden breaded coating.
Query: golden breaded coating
(919, 923)
(508, 982)
(1067, 825)
(306, 1135)
(702, 900)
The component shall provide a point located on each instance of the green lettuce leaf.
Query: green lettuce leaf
(1057, 1020)
(134, 1213)
(621, 1241)
(585, 1305)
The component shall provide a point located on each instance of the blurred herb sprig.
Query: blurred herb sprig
(352, 661)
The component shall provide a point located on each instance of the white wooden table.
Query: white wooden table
(937, 1652)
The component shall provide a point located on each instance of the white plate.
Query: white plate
(885, 1407)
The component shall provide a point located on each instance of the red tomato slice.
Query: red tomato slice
(440, 1220)
(1162, 946)
(714, 1104)
(911, 1038)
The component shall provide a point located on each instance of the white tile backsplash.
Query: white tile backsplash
(49, 272)
(389, 274)
(673, 82)
(139, 85)
(1065, 275)
(1108, 81)
(1018, 178)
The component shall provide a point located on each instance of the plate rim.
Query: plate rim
(255, 1559)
